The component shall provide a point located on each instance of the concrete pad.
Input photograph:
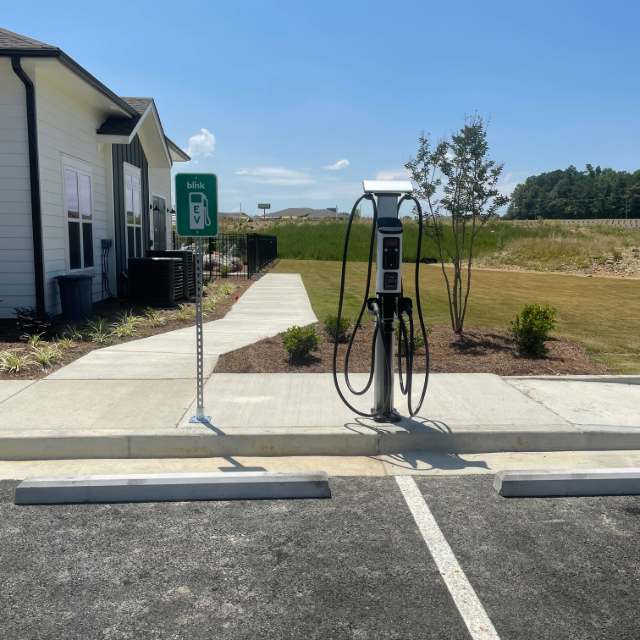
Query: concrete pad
(618, 379)
(164, 487)
(333, 465)
(275, 400)
(107, 364)
(437, 464)
(62, 405)
(10, 388)
(583, 402)
(569, 482)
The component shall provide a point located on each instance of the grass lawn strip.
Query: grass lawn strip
(111, 311)
(600, 314)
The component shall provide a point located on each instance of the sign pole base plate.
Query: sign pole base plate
(203, 419)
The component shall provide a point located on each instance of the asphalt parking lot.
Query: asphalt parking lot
(355, 566)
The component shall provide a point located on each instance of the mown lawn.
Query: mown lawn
(602, 314)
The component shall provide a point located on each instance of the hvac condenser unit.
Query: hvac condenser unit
(157, 282)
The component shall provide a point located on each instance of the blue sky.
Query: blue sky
(287, 89)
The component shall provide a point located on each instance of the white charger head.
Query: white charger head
(387, 186)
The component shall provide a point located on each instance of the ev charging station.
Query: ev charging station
(388, 304)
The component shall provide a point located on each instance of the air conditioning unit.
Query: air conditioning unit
(188, 268)
(156, 282)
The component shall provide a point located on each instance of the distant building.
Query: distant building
(305, 213)
(322, 214)
(234, 215)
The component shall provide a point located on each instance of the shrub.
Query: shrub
(531, 328)
(330, 327)
(299, 342)
(32, 322)
(418, 338)
(224, 271)
(236, 265)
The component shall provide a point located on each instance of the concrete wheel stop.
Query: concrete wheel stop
(182, 487)
(544, 483)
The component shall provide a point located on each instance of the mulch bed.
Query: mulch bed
(481, 350)
(110, 309)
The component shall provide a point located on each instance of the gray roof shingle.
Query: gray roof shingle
(124, 126)
(139, 104)
(11, 40)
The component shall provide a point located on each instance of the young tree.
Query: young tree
(458, 182)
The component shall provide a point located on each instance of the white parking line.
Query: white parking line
(470, 608)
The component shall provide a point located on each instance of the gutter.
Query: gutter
(34, 180)
(74, 67)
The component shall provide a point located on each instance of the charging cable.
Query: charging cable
(374, 306)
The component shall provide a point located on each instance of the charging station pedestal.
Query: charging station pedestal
(388, 304)
(388, 290)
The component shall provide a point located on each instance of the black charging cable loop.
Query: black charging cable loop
(410, 347)
(375, 307)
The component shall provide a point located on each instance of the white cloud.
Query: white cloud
(275, 175)
(394, 174)
(509, 182)
(341, 164)
(201, 144)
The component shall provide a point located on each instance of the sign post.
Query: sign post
(264, 208)
(197, 216)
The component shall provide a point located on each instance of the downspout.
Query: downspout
(34, 179)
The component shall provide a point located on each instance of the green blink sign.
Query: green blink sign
(197, 204)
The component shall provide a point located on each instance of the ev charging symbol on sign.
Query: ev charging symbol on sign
(197, 204)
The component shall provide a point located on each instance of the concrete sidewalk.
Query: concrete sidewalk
(272, 304)
(301, 414)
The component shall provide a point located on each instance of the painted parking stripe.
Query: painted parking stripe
(470, 608)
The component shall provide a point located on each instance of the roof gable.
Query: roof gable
(11, 40)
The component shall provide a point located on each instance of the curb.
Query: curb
(161, 487)
(543, 483)
(310, 441)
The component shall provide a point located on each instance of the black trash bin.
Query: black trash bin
(76, 296)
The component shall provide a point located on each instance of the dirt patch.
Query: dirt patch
(110, 310)
(481, 350)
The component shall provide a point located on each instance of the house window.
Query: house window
(79, 219)
(133, 212)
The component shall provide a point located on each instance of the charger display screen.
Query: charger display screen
(391, 253)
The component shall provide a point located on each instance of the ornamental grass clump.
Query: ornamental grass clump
(153, 317)
(299, 342)
(46, 355)
(531, 328)
(98, 330)
(14, 361)
(331, 328)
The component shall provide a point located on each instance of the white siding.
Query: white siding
(67, 125)
(17, 285)
(160, 185)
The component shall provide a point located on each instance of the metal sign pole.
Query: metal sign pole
(197, 216)
(199, 417)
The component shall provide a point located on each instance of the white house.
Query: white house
(84, 176)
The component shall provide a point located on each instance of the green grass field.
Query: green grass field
(535, 246)
(602, 314)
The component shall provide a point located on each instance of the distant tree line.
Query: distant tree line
(573, 194)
